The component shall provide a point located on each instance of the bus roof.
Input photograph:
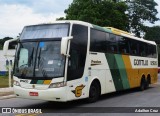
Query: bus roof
(128, 35)
(66, 21)
(138, 39)
(105, 29)
(117, 31)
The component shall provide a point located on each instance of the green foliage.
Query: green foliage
(5, 39)
(102, 13)
(153, 33)
(129, 15)
(4, 82)
(140, 11)
(61, 18)
(1, 47)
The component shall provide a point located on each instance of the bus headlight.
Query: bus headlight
(16, 83)
(57, 85)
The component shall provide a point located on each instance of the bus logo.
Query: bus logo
(78, 90)
(95, 62)
(24, 81)
(33, 86)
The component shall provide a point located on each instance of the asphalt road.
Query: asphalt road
(119, 103)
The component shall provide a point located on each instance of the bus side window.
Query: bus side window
(134, 47)
(153, 51)
(123, 45)
(113, 44)
(76, 64)
(112, 48)
(73, 61)
(142, 49)
(149, 51)
(98, 41)
(78, 51)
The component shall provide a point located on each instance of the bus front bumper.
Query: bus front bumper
(50, 94)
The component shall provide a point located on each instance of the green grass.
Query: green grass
(4, 81)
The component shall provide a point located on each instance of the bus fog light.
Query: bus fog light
(57, 85)
(16, 83)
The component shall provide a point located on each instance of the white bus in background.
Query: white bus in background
(69, 60)
(5, 61)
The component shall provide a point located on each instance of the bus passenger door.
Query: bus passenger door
(76, 64)
(74, 76)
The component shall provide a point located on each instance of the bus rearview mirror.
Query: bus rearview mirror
(6, 47)
(64, 44)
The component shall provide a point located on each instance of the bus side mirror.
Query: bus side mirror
(15, 46)
(6, 46)
(64, 45)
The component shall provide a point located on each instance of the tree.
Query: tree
(99, 12)
(5, 39)
(61, 18)
(153, 33)
(140, 11)
(1, 44)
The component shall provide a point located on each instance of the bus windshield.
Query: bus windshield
(45, 31)
(39, 60)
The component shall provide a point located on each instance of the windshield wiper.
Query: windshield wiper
(31, 57)
(39, 57)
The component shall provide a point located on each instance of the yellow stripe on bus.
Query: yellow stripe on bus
(131, 73)
(135, 75)
(47, 82)
(128, 67)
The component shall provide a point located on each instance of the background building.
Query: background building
(4, 61)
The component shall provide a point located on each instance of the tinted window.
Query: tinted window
(78, 50)
(112, 44)
(149, 51)
(123, 45)
(142, 49)
(134, 47)
(152, 51)
(98, 41)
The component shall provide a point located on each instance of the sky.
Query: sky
(15, 14)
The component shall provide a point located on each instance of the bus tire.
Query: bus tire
(94, 92)
(147, 82)
(147, 85)
(143, 84)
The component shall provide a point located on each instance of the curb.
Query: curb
(7, 93)
(7, 97)
(6, 89)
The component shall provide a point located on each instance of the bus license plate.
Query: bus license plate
(33, 93)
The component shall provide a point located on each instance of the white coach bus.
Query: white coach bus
(69, 60)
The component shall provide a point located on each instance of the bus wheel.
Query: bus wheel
(147, 85)
(143, 84)
(94, 92)
(147, 82)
